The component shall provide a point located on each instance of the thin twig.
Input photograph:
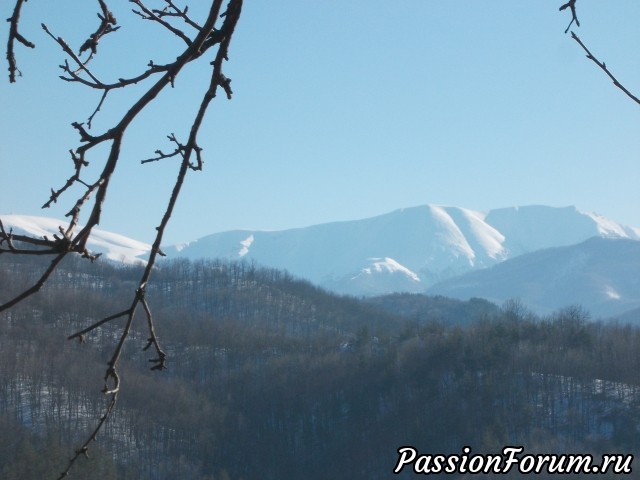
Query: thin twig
(159, 362)
(571, 4)
(604, 69)
(36, 286)
(14, 35)
(67, 49)
(95, 112)
(205, 37)
(83, 451)
(147, 14)
(178, 13)
(107, 25)
(80, 335)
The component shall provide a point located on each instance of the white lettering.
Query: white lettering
(407, 455)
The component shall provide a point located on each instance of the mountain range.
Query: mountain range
(499, 254)
(411, 249)
(599, 274)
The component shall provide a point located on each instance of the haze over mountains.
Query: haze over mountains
(422, 249)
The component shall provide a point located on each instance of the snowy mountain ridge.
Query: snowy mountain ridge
(113, 245)
(409, 249)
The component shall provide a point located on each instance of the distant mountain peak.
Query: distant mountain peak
(406, 250)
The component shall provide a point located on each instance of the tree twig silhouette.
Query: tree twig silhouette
(571, 5)
(213, 33)
(604, 68)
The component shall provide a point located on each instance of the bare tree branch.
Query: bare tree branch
(14, 35)
(571, 4)
(147, 14)
(604, 68)
(206, 36)
(36, 286)
(107, 25)
(81, 334)
(171, 10)
(83, 450)
(159, 362)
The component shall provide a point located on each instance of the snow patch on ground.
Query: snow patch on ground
(181, 246)
(611, 293)
(246, 243)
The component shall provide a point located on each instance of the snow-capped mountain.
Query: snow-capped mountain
(600, 274)
(413, 249)
(112, 245)
(409, 249)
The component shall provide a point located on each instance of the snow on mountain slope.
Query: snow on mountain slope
(429, 241)
(407, 250)
(609, 228)
(112, 245)
(601, 274)
(482, 236)
(420, 245)
(389, 265)
(534, 227)
(377, 277)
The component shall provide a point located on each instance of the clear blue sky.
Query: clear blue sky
(344, 110)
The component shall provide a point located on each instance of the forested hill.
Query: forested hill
(272, 378)
(434, 308)
(264, 298)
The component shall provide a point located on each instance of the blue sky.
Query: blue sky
(344, 110)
